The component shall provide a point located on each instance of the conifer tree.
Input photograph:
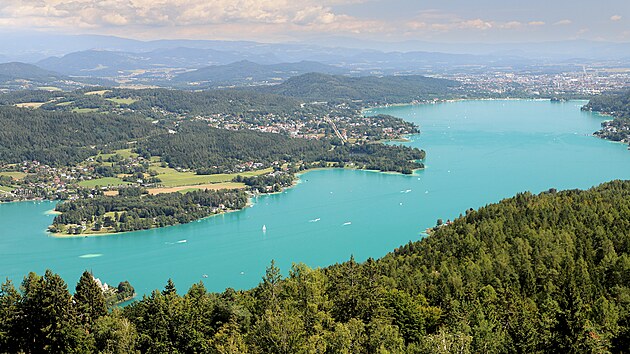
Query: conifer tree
(89, 300)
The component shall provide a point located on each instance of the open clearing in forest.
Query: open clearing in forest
(84, 110)
(172, 178)
(122, 100)
(31, 105)
(100, 92)
(103, 182)
(184, 189)
(14, 175)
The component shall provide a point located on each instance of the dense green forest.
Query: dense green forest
(62, 138)
(149, 102)
(618, 106)
(367, 89)
(233, 102)
(198, 146)
(66, 138)
(533, 273)
(132, 210)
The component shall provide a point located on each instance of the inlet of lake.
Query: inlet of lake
(478, 152)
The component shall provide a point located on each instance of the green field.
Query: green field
(100, 92)
(84, 110)
(15, 175)
(31, 105)
(49, 88)
(125, 153)
(4, 189)
(122, 100)
(172, 178)
(62, 104)
(105, 181)
(224, 185)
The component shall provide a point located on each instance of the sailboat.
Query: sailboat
(264, 228)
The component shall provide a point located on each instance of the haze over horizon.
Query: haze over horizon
(325, 21)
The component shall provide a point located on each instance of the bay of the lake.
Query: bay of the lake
(478, 152)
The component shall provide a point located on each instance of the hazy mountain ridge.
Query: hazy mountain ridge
(247, 72)
(17, 70)
(103, 63)
(17, 76)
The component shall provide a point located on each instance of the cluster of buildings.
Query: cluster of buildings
(356, 127)
(583, 82)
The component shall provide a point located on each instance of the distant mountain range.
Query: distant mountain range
(249, 73)
(35, 46)
(212, 63)
(201, 64)
(103, 63)
(17, 76)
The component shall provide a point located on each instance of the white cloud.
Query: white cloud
(436, 21)
(475, 24)
(615, 18)
(171, 13)
(563, 23)
(511, 25)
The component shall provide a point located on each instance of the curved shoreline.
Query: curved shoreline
(248, 205)
(66, 236)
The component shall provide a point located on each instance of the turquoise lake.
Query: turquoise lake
(478, 152)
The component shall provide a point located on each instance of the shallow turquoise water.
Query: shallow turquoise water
(477, 153)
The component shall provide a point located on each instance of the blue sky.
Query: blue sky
(288, 20)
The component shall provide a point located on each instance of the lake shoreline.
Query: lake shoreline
(484, 166)
(85, 235)
(249, 204)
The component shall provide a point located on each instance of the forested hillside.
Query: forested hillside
(196, 146)
(249, 73)
(618, 106)
(62, 138)
(15, 71)
(368, 89)
(234, 102)
(533, 273)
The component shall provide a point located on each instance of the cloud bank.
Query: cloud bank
(284, 19)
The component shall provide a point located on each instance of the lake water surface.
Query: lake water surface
(478, 152)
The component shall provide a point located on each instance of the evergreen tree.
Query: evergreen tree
(169, 289)
(10, 313)
(114, 334)
(89, 300)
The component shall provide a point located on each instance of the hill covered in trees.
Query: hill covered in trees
(533, 273)
(233, 102)
(20, 76)
(198, 146)
(246, 73)
(367, 89)
(16, 70)
(618, 106)
(63, 138)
